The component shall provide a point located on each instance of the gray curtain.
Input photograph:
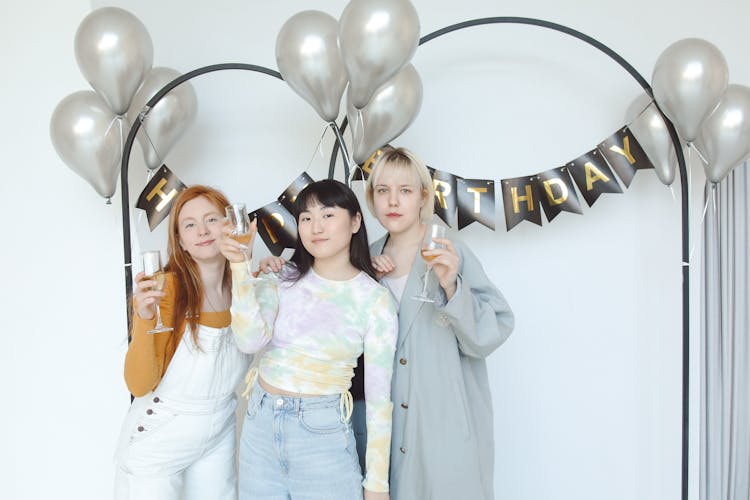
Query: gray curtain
(725, 346)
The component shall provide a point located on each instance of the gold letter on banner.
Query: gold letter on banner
(625, 150)
(556, 192)
(477, 197)
(158, 195)
(476, 202)
(593, 176)
(442, 193)
(269, 229)
(551, 196)
(528, 198)
(276, 227)
(446, 196)
(591, 179)
(627, 159)
(515, 212)
(165, 198)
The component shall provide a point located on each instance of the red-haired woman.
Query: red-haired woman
(178, 439)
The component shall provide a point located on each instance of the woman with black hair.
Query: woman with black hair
(314, 319)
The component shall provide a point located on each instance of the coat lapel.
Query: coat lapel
(408, 307)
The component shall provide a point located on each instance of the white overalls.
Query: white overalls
(178, 442)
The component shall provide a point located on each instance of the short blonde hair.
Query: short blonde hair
(403, 159)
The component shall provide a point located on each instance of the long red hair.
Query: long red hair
(188, 285)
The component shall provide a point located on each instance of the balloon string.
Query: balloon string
(359, 123)
(142, 118)
(319, 148)
(119, 119)
(109, 127)
(353, 171)
(710, 199)
(700, 155)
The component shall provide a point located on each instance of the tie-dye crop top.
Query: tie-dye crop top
(314, 330)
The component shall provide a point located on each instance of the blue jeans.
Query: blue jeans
(297, 448)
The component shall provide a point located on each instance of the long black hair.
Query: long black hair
(331, 193)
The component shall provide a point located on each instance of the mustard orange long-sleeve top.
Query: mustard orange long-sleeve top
(148, 354)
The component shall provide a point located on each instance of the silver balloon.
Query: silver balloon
(308, 57)
(376, 38)
(393, 107)
(724, 138)
(114, 52)
(649, 129)
(87, 137)
(689, 78)
(165, 123)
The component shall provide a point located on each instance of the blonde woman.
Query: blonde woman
(442, 444)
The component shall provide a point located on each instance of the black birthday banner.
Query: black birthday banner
(158, 195)
(458, 201)
(552, 191)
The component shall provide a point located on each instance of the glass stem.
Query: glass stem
(426, 279)
(159, 324)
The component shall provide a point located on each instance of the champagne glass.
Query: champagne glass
(240, 224)
(428, 243)
(154, 271)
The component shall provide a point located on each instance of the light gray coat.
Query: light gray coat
(442, 445)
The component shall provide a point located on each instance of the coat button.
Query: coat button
(140, 428)
(156, 399)
(404, 405)
(403, 450)
(149, 412)
(402, 361)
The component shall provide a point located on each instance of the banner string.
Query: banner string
(651, 103)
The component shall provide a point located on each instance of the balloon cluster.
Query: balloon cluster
(691, 87)
(369, 48)
(115, 54)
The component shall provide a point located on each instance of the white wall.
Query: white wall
(586, 391)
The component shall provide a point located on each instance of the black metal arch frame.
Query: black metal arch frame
(125, 197)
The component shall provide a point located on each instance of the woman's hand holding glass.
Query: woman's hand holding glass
(440, 255)
(238, 235)
(145, 296)
(149, 290)
(445, 265)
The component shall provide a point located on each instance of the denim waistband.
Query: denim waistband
(260, 397)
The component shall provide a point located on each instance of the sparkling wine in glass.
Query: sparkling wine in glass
(239, 223)
(153, 270)
(433, 231)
